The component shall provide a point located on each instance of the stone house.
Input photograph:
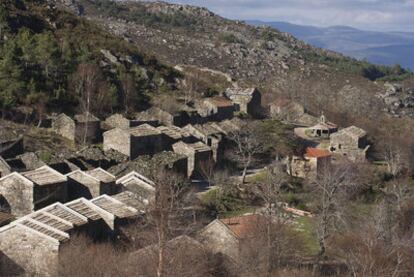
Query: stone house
(311, 165)
(138, 184)
(197, 154)
(216, 108)
(184, 252)
(323, 129)
(83, 127)
(83, 184)
(5, 168)
(248, 100)
(11, 144)
(31, 190)
(33, 243)
(141, 140)
(350, 142)
(291, 111)
(210, 134)
(172, 134)
(119, 121)
(179, 118)
(106, 179)
(228, 235)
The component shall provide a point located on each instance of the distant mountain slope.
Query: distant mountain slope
(377, 47)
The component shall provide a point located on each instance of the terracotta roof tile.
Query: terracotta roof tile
(243, 226)
(316, 153)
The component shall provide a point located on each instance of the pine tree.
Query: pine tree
(12, 84)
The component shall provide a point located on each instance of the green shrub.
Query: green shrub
(229, 38)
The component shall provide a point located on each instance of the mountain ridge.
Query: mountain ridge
(352, 41)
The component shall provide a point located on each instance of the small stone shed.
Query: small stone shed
(311, 165)
(11, 144)
(138, 184)
(172, 134)
(210, 134)
(179, 118)
(145, 165)
(29, 191)
(350, 142)
(82, 128)
(216, 108)
(248, 100)
(227, 235)
(134, 142)
(33, 242)
(83, 184)
(120, 121)
(197, 154)
(184, 252)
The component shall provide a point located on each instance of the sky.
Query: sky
(377, 15)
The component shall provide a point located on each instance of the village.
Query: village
(43, 206)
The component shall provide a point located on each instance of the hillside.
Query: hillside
(276, 62)
(386, 48)
(48, 57)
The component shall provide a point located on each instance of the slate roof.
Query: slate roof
(144, 130)
(240, 91)
(55, 221)
(44, 175)
(174, 132)
(197, 146)
(352, 131)
(102, 175)
(219, 101)
(86, 118)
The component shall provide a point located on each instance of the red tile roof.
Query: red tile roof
(243, 226)
(316, 153)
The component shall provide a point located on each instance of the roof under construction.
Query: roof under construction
(55, 221)
(44, 175)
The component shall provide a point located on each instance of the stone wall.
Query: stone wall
(48, 194)
(254, 106)
(117, 121)
(119, 140)
(64, 126)
(82, 185)
(37, 255)
(89, 132)
(146, 145)
(218, 239)
(18, 193)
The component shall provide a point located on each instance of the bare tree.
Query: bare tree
(396, 163)
(332, 184)
(248, 145)
(165, 208)
(87, 82)
(269, 192)
(207, 170)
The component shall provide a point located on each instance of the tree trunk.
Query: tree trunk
(269, 241)
(245, 170)
(161, 244)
